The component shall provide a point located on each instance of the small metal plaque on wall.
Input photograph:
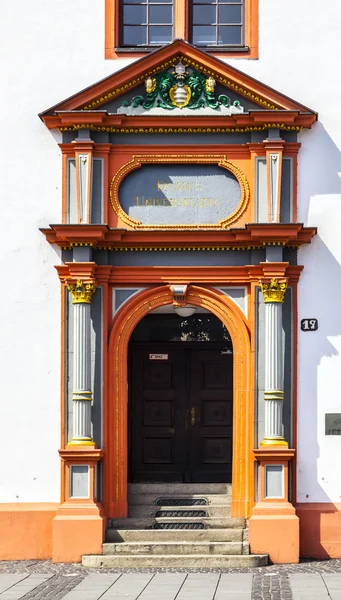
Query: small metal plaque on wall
(333, 423)
(309, 324)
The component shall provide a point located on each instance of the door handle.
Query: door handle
(193, 415)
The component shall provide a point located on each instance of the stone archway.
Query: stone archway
(116, 414)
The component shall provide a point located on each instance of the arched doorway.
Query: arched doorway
(116, 421)
(180, 398)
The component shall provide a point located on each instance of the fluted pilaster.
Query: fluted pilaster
(274, 363)
(81, 395)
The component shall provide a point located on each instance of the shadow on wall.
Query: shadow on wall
(319, 164)
(319, 200)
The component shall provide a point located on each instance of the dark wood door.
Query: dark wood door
(180, 413)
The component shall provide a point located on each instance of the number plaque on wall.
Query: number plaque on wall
(309, 324)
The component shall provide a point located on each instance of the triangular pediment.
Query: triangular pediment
(150, 87)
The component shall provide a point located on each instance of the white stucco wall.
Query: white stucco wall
(47, 53)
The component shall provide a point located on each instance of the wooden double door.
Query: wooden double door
(180, 412)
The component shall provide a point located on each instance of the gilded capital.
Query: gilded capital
(274, 291)
(82, 292)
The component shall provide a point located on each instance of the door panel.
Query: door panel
(156, 426)
(180, 413)
(211, 394)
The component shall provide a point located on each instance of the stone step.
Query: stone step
(212, 499)
(175, 535)
(157, 548)
(148, 522)
(150, 510)
(182, 561)
(168, 489)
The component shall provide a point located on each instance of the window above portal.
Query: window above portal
(225, 27)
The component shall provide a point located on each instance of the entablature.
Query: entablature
(253, 235)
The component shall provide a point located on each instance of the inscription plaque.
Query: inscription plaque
(333, 423)
(180, 194)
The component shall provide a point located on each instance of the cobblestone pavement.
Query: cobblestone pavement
(309, 580)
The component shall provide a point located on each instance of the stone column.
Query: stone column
(82, 293)
(274, 362)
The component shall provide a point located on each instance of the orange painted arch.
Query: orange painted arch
(116, 444)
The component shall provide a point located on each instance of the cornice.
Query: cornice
(259, 120)
(253, 235)
(183, 275)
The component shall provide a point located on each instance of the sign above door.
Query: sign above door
(169, 191)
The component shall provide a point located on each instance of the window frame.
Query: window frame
(181, 29)
(147, 3)
(216, 3)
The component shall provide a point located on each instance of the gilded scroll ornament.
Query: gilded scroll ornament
(180, 87)
(274, 291)
(82, 292)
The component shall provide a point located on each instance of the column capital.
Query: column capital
(274, 290)
(82, 291)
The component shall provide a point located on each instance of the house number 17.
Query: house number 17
(309, 324)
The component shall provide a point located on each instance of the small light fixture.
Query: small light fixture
(185, 311)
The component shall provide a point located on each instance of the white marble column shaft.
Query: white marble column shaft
(274, 374)
(81, 394)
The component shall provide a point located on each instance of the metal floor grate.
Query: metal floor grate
(181, 502)
(178, 526)
(181, 513)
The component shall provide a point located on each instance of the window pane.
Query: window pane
(229, 35)
(163, 1)
(160, 14)
(134, 1)
(205, 2)
(135, 15)
(160, 35)
(204, 14)
(230, 14)
(204, 35)
(134, 36)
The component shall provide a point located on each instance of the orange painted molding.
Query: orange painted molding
(79, 454)
(26, 530)
(252, 235)
(292, 120)
(320, 529)
(117, 411)
(168, 275)
(275, 534)
(274, 453)
(135, 73)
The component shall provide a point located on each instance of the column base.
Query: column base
(274, 530)
(82, 442)
(77, 530)
(274, 441)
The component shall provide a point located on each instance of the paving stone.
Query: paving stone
(128, 587)
(308, 586)
(7, 580)
(92, 587)
(19, 590)
(269, 583)
(333, 584)
(201, 586)
(233, 586)
(165, 586)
